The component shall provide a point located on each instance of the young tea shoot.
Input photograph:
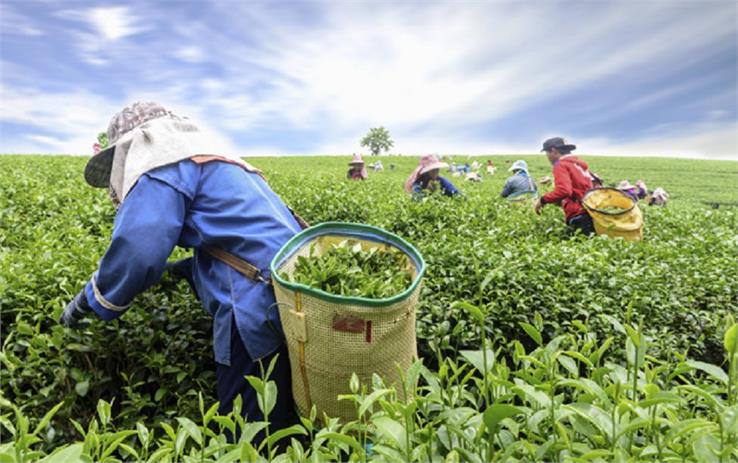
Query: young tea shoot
(346, 269)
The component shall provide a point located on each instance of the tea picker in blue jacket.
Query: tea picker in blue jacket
(519, 183)
(426, 178)
(170, 190)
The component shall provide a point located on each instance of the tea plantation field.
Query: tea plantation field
(535, 345)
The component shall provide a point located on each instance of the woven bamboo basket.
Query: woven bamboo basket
(330, 337)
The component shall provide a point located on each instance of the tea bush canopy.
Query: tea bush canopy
(534, 345)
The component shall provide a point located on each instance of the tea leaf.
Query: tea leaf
(498, 412)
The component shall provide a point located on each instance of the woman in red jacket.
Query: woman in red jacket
(572, 180)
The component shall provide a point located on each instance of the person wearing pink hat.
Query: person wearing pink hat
(357, 171)
(425, 178)
(637, 191)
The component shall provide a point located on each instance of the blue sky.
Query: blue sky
(621, 77)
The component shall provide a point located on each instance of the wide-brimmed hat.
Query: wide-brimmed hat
(430, 162)
(519, 165)
(558, 143)
(625, 185)
(97, 170)
(356, 160)
(427, 163)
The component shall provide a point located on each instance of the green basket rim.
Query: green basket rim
(324, 229)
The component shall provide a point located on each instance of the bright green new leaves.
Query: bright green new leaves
(347, 270)
(537, 346)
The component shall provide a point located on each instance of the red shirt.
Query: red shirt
(572, 180)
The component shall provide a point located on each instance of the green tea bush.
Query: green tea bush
(549, 300)
(346, 269)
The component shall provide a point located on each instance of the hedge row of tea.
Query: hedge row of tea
(595, 348)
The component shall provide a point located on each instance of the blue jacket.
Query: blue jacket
(191, 205)
(519, 184)
(447, 188)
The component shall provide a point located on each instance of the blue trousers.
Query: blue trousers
(231, 383)
(583, 223)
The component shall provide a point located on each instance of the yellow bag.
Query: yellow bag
(614, 213)
(330, 337)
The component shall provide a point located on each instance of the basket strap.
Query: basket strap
(301, 352)
(300, 221)
(247, 269)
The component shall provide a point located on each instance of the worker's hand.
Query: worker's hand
(538, 206)
(179, 269)
(75, 311)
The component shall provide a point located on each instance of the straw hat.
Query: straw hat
(625, 185)
(356, 160)
(430, 162)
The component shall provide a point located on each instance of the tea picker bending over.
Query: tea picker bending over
(520, 183)
(572, 180)
(357, 171)
(170, 190)
(637, 191)
(425, 178)
(659, 197)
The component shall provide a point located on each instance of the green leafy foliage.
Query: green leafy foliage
(346, 269)
(102, 139)
(377, 140)
(535, 345)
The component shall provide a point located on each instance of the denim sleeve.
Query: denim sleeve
(507, 189)
(147, 227)
(448, 188)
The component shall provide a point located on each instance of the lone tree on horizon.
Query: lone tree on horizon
(377, 140)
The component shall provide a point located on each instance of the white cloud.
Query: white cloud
(708, 141)
(12, 22)
(58, 122)
(104, 31)
(69, 123)
(443, 67)
(190, 54)
(113, 23)
(426, 71)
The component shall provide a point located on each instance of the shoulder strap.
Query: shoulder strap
(247, 269)
(244, 267)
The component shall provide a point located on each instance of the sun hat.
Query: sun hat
(625, 185)
(430, 162)
(519, 165)
(427, 163)
(97, 170)
(558, 143)
(356, 160)
(659, 196)
(145, 136)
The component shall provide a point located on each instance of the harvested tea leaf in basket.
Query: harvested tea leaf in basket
(612, 210)
(346, 269)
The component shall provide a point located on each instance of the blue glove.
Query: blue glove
(182, 269)
(75, 311)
